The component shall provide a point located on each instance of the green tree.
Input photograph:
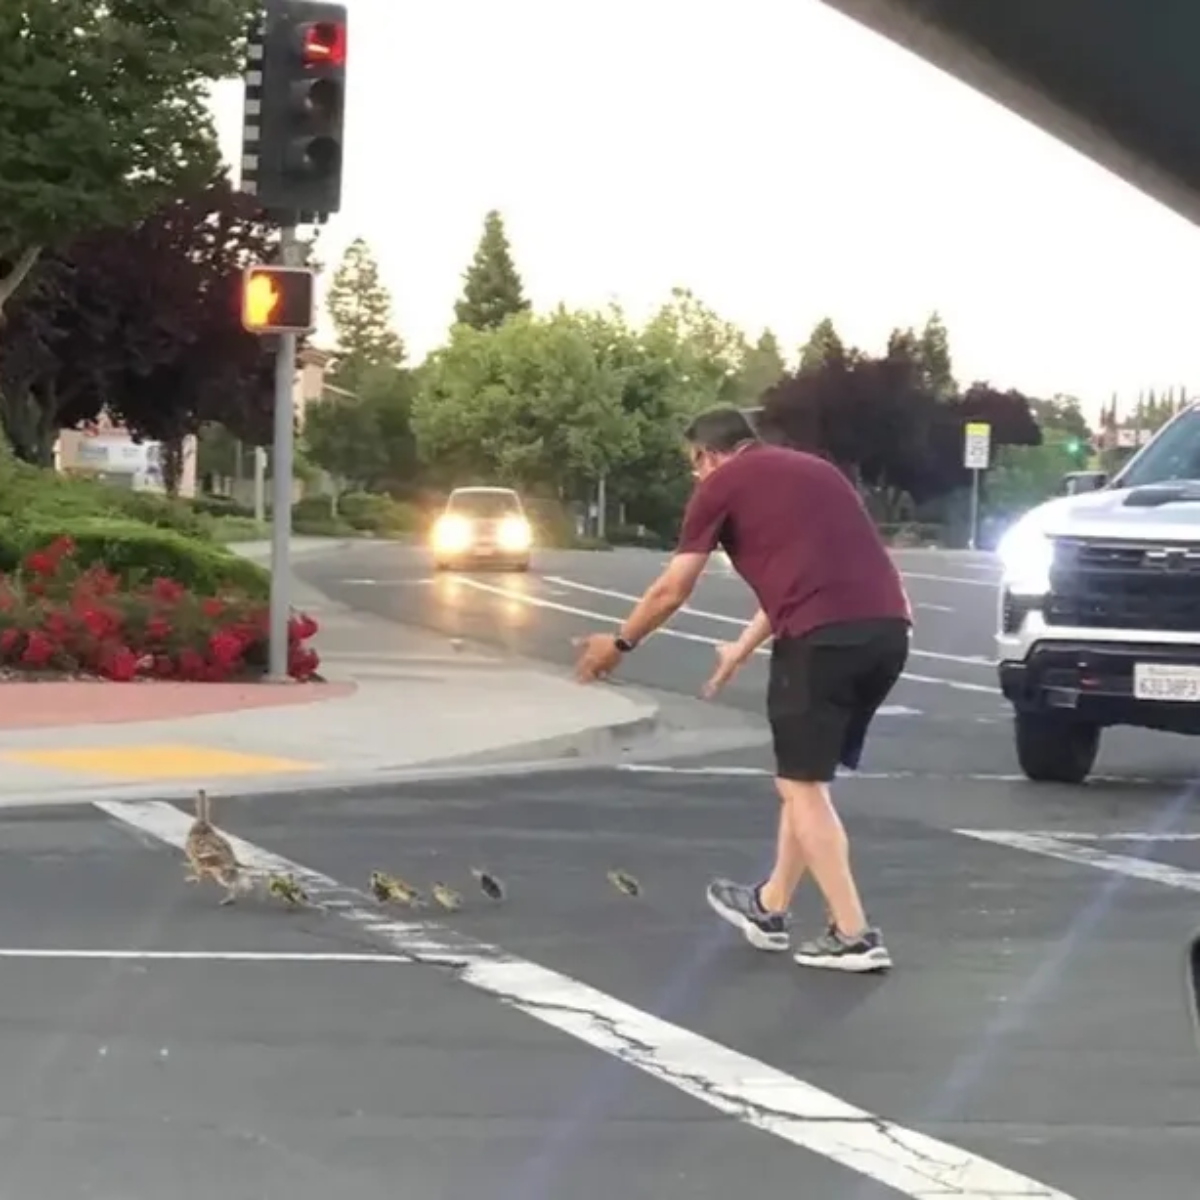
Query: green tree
(388, 392)
(529, 403)
(650, 483)
(937, 366)
(1061, 414)
(105, 114)
(341, 436)
(708, 350)
(823, 347)
(762, 368)
(360, 307)
(492, 288)
(1025, 476)
(364, 440)
(904, 346)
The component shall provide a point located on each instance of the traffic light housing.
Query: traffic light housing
(295, 110)
(278, 299)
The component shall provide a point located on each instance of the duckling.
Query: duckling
(386, 887)
(624, 882)
(489, 885)
(287, 889)
(447, 897)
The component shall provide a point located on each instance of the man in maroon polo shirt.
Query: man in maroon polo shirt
(796, 531)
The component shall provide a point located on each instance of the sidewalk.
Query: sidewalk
(397, 700)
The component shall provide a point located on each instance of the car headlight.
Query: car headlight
(1027, 555)
(515, 534)
(451, 534)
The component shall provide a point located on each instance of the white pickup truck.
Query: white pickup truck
(1099, 611)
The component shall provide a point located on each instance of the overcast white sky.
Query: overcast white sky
(777, 158)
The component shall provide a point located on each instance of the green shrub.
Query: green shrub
(379, 514)
(312, 508)
(356, 512)
(221, 506)
(322, 527)
(912, 533)
(136, 552)
(32, 494)
(632, 535)
(553, 525)
(227, 530)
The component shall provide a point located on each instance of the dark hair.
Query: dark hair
(720, 429)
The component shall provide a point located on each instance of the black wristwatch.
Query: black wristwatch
(623, 644)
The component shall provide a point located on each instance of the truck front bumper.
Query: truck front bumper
(1094, 680)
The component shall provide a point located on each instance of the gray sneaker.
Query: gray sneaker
(738, 904)
(834, 952)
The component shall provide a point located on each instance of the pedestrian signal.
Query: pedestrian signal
(278, 300)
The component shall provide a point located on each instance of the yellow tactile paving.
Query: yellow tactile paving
(159, 761)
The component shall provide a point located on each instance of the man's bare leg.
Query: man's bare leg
(760, 912)
(821, 845)
(776, 894)
(850, 943)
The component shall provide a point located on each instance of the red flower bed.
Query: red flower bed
(56, 618)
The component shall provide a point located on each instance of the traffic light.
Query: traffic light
(295, 110)
(277, 299)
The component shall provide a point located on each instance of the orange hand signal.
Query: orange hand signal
(261, 300)
(277, 299)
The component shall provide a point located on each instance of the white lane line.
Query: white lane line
(407, 581)
(993, 584)
(1117, 864)
(945, 777)
(958, 685)
(748, 772)
(971, 660)
(608, 619)
(1065, 836)
(750, 1091)
(253, 956)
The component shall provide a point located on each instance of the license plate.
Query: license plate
(1163, 681)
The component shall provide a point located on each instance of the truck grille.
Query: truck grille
(1115, 584)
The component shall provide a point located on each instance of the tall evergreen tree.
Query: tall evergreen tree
(492, 288)
(936, 363)
(762, 368)
(823, 346)
(360, 307)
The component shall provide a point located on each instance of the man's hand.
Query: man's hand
(729, 660)
(598, 656)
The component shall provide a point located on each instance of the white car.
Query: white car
(1099, 608)
(483, 525)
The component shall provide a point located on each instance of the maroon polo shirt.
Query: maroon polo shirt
(797, 532)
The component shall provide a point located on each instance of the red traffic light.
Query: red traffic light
(324, 44)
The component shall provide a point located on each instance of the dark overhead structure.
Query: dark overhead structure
(1119, 80)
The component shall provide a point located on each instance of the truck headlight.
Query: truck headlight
(515, 534)
(1026, 555)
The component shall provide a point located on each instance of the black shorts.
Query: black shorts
(824, 689)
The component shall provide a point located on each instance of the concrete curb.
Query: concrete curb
(260, 552)
(560, 752)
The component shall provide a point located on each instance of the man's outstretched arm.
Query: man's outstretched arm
(753, 636)
(665, 596)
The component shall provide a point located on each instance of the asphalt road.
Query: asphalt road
(575, 1044)
(949, 696)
